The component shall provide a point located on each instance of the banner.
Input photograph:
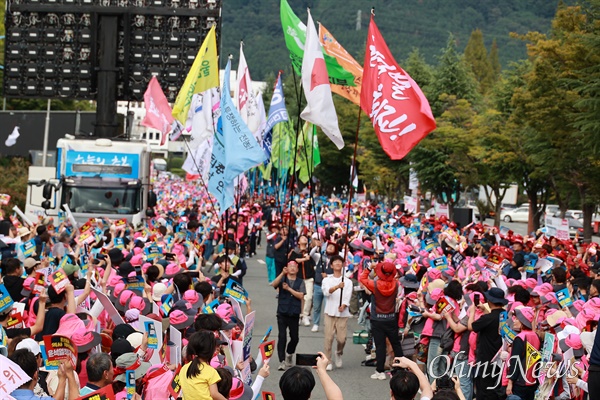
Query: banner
(12, 376)
(203, 75)
(396, 105)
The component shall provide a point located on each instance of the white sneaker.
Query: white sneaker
(289, 360)
(281, 366)
(329, 367)
(338, 360)
(305, 321)
(315, 328)
(379, 375)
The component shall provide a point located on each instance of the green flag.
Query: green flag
(294, 32)
(283, 134)
(315, 146)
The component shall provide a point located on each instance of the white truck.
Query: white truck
(100, 177)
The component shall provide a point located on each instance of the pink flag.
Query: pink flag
(158, 112)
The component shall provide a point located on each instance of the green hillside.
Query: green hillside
(404, 24)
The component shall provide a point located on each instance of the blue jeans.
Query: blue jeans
(462, 369)
(318, 301)
(270, 269)
(435, 365)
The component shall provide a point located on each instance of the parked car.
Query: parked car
(575, 227)
(520, 214)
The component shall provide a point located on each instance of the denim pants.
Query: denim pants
(462, 369)
(318, 302)
(436, 366)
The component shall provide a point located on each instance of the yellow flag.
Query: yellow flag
(203, 75)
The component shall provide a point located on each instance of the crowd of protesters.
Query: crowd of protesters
(153, 311)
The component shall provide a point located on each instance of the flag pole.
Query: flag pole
(351, 193)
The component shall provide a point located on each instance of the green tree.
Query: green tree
(452, 77)
(495, 60)
(419, 70)
(476, 57)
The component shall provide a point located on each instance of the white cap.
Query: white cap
(30, 345)
(158, 290)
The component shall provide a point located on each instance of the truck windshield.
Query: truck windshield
(103, 200)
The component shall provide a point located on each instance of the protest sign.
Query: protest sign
(267, 349)
(59, 280)
(27, 248)
(120, 224)
(59, 348)
(268, 396)
(12, 376)
(175, 349)
(564, 298)
(109, 307)
(152, 337)
(166, 305)
(155, 358)
(443, 305)
(152, 252)
(547, 350)
(211, 307)
(235, 291)
(130, 384)
(4, 199)
(104, 393)
(119, 244)
(6, 302)
(175, 386)
(505, 331)
(440, 263)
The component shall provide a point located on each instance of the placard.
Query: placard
(104, 393)
(175, 350)
(235, 291)
(130, 383)
(166, 305)
(155, 358)
(443, 305)
(152, 252)
(4, 199)
(564, 298)
(28, 248)
(175, 386)
(211, 307)
(120, 224)
(59, 280)
(109, 307)
(268, 396)
(152, 337)
(266, 350)
(59, 348)
(12, 376)
(440, 263)
(6, 302)
(505, 331)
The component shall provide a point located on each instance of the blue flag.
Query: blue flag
(217, 185)
(242, 151)
(277, 113)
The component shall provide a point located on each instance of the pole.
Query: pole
(351, 195)
(46, 133)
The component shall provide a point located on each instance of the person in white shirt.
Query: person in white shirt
(336, 315)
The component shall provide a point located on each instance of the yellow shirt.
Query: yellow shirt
(198, 387)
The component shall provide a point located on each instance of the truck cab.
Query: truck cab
(93, 178)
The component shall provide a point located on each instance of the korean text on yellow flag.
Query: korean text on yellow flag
(203, 75)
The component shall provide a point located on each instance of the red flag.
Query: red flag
(396, 105)
(158, 112)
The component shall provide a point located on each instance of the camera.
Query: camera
(444, 382)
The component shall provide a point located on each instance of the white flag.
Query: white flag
(262, 117)
(315, 83)
(198, 162)
(244, 95)
(201, 119)
(12, 138)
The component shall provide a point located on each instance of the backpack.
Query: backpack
(447, 340)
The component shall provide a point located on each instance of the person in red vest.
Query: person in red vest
(384, 318)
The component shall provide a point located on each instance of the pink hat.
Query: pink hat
(119, 287)
(172, 270)
(193, 297)
(85, 340)
(137, 260)
(180, 320)
(115, 280)
(525, 315)
(542, 290)
(225, 311)
(434, 274)
(68, 324)
(531, 283)
(140, 304)
(584, 317)
(579, 304)
(593, 304)
(123, 299)
(434, 296)
(137, 251)
(145, 267)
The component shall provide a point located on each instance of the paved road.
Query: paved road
(353, 379)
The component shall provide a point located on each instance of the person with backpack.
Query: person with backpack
(524, 346)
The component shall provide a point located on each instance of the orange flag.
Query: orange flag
(346, 61)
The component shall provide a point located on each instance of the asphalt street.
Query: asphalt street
(352, 378)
